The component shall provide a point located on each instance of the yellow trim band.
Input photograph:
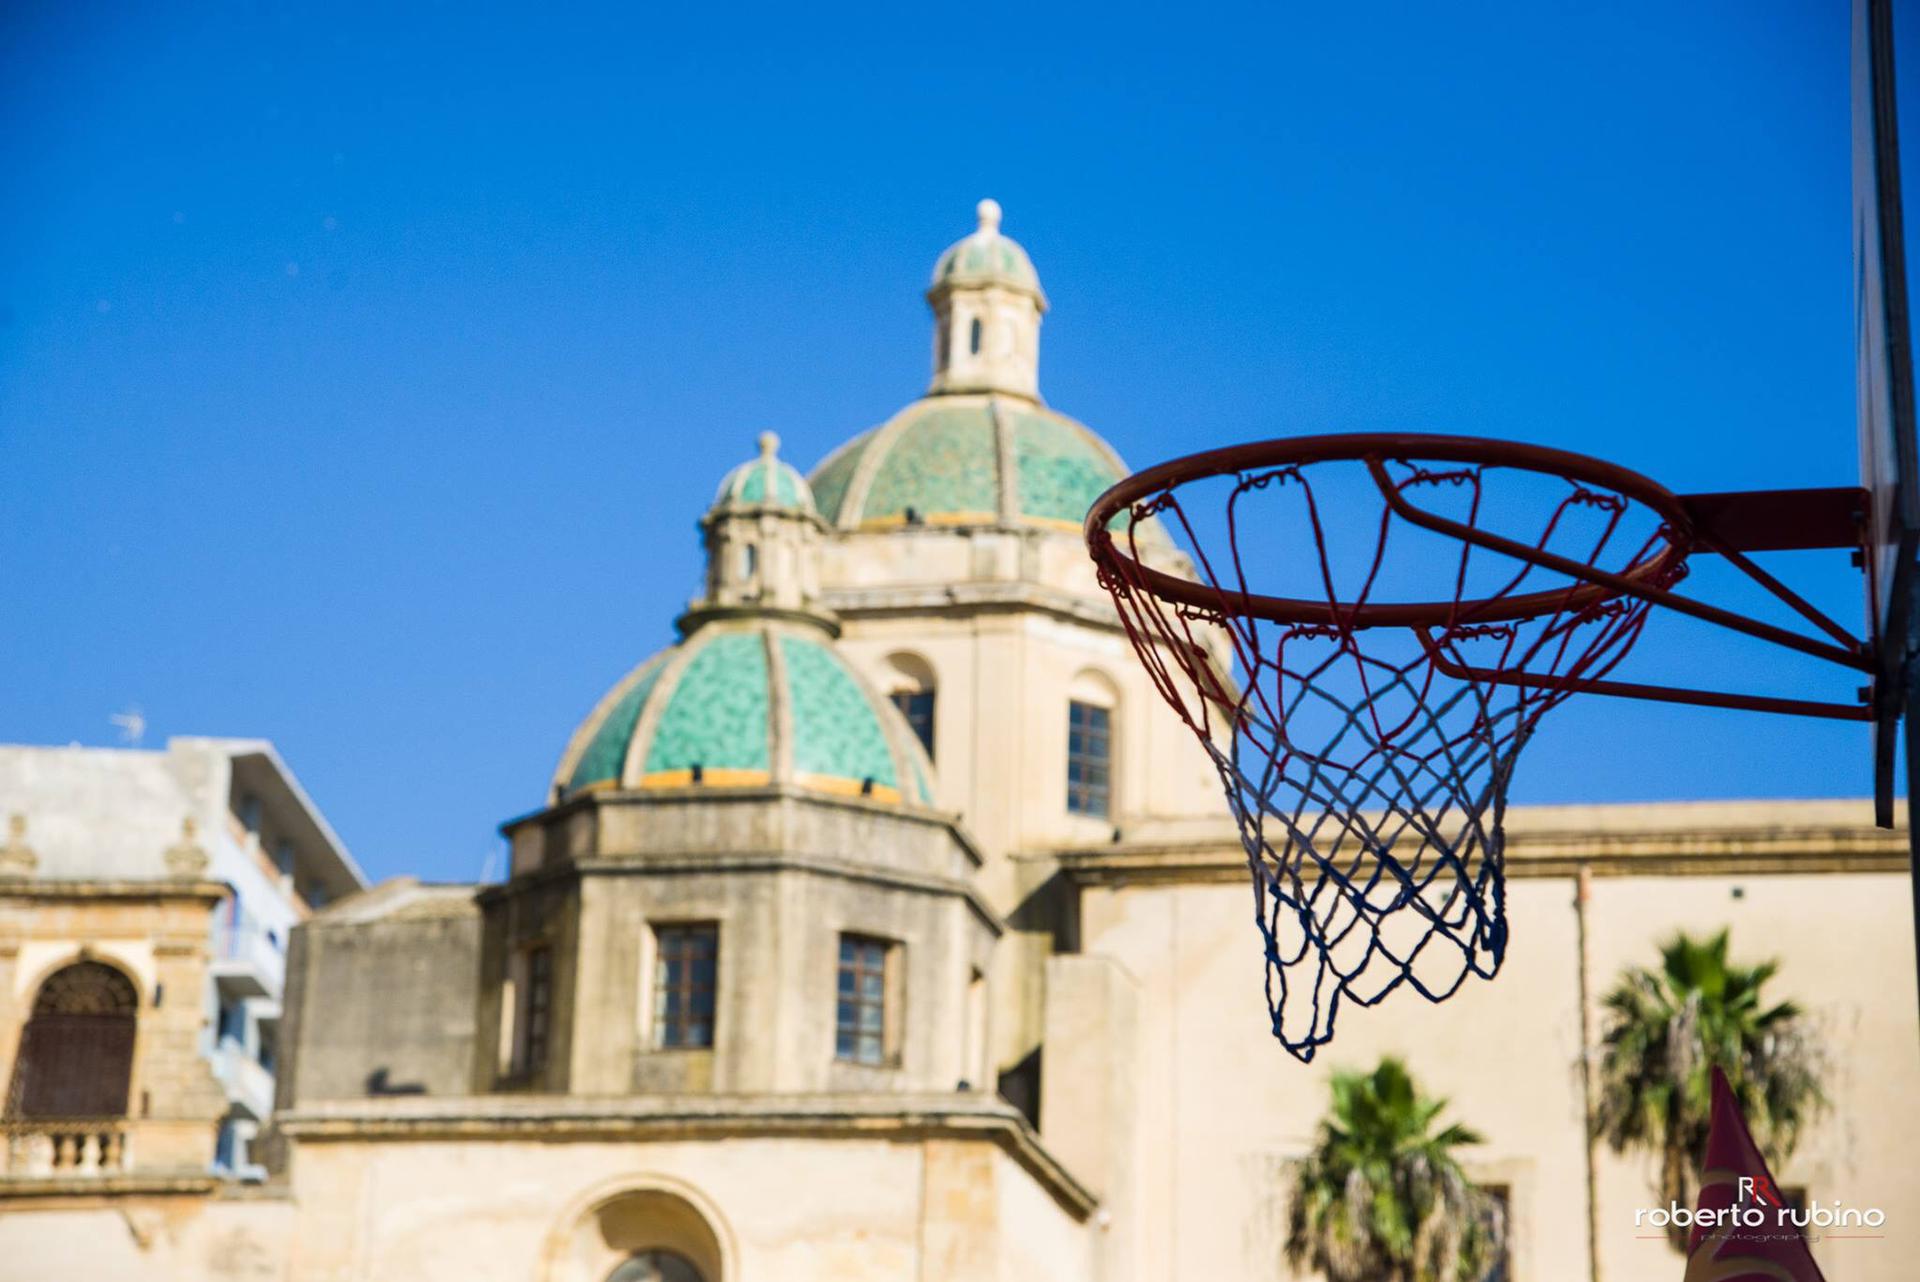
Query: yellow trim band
(714, 777)
(839, 787)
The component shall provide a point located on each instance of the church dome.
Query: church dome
(748, 702)
(987, 258)
(766, 481)
(967, 460)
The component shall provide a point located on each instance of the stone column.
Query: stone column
(178, 1103)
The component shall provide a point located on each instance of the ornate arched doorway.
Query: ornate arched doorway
(656, 1266)
(76, 1052)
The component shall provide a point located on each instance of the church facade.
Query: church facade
(774, 956)
(886, 926)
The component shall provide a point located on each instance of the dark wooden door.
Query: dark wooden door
(76, 1052)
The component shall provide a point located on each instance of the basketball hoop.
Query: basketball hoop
(1366, 742)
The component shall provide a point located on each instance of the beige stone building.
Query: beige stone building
(146, 898)
(887, 927)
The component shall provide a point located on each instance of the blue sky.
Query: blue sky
(362, 375)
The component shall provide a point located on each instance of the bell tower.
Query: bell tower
(763, 539)
(987, 305)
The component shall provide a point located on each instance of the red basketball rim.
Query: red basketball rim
(1375, 449)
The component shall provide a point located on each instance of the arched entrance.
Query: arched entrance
(640, 1228)
(76, 1052)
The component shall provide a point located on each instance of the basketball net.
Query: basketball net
(1366, 747)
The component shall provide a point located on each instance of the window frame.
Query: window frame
(660, 1026)
(533, 1037)
(905, 695)
(1084, 797)
(887, 1003)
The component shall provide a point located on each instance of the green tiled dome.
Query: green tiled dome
(708, 712)
(987, 258)
(765, 481)
(944, 460)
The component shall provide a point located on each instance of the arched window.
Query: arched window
(647, 1234)
(76, 1052)
(656, 1266)
(973, 342)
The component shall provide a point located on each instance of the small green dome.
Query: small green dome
(746, 703)
(766, 481)
(944, 460)
(988, 258)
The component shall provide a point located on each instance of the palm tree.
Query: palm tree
(1380, 1198)
(1666, 1029)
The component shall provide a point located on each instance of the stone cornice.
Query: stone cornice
(739, 862)
(776, 861)
(90, 1190)
(1728, 839)
(714, 794)
(560, 1118)
(125, 890)
(970, 598)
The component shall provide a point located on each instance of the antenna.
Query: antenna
(133, 725)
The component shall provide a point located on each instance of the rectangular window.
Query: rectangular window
(537, 1011)
(917, 707)
(1089, 759)
(860, 1005)
(683, 986)
(512, 984)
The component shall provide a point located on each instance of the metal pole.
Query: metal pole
(1582, 892)
(1912, 674)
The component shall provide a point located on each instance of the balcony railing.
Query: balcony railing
(57, 1148)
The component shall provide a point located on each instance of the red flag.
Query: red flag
(1740, 1234)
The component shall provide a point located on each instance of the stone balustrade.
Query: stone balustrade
(56, 1148)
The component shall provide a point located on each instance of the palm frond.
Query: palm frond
(1665, 1030)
